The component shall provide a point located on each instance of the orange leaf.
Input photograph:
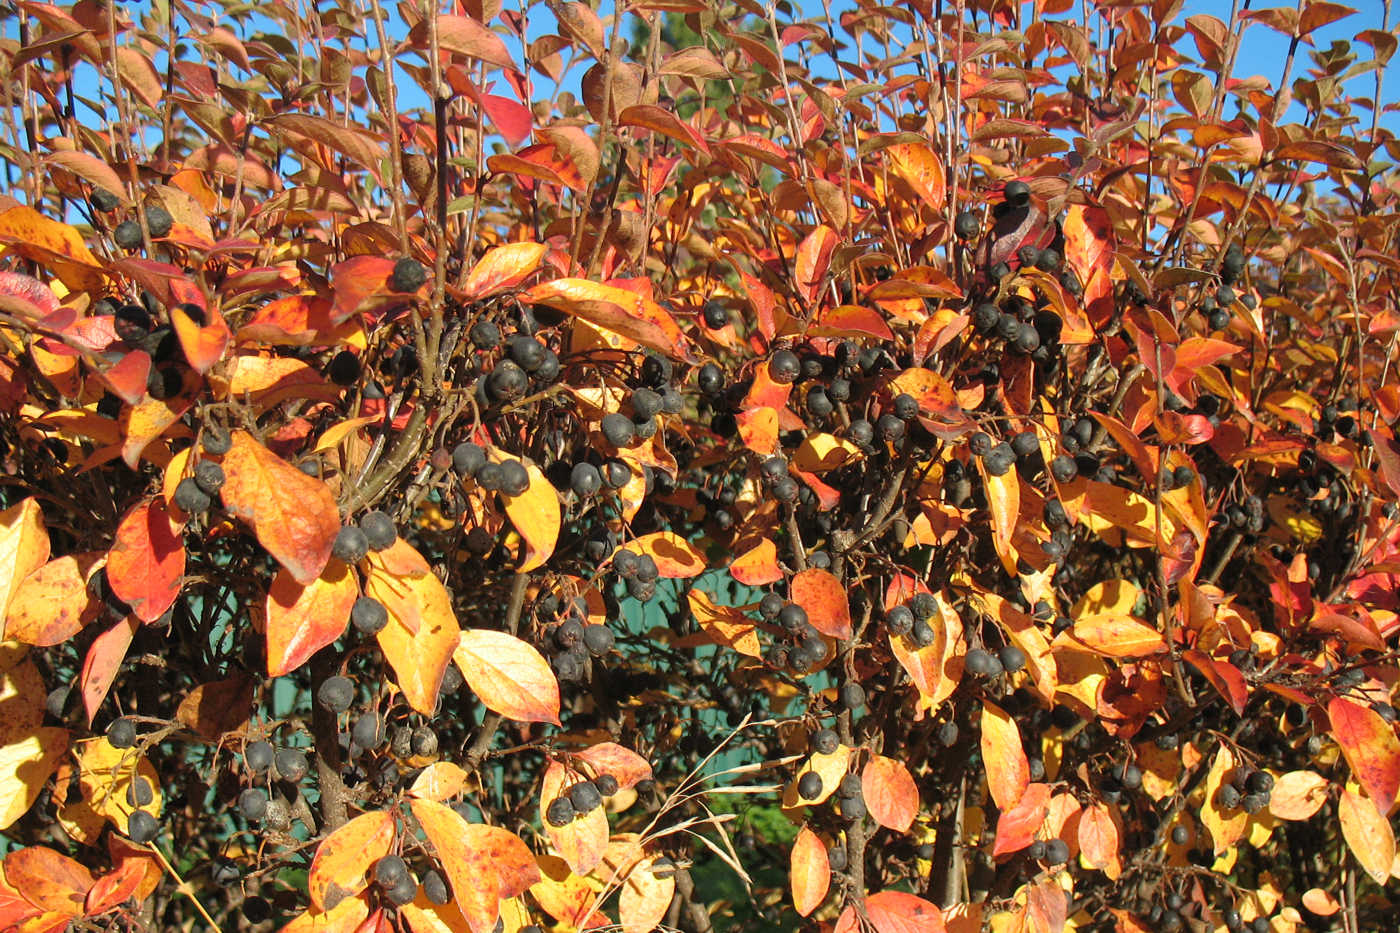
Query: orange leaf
(1004, 500)
(1226, 827)
(346, 857)
(24, 547)
(1368, 834)
(293, 515)
(474, 879)
(936, 669)
(48, 606)
(890, 793)
(438, 781)
(1017, 827)
(936, 397)
(758, 429)
(622, 763)
(809, 873)
(301, 620)
(1008, 771)
(147, 560)
(725, 625)
(141, 424)
(850, 321)
(52, 244)
(645, 897)
(824, 599)
(501, 268)
(617, 310)
(758, 565)
(675, 557)
(345, 917)
(582, 842)
(508, 675)
(1297, 795)
(422, 632)
(1320, 902)
(1371, 748)
(897, 912)
(203, 345)
(918, 165)
(535, 514)
(1099, 840)
(1114, 637)
(48, 879)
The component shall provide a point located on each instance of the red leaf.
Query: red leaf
(824, 599)
(895, 912)
(104, 658)
(1370, 747)
(147, 560)
(1224, 677)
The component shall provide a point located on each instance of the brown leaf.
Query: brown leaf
(218, 707)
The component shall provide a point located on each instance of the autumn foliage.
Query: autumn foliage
(699, 466)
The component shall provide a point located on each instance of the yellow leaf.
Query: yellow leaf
(1368, 834)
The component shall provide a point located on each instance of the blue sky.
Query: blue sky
(1262, 53)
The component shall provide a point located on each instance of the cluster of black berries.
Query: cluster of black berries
(801, 647)
(580, 799)
(638, 572)
(910, 620)
(127, 234)
(1247, 790)
(395, 882)
(526, 364)
(1216, 306)
(263, 760)
(575, 640)
(509, 476)
(982, 663)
